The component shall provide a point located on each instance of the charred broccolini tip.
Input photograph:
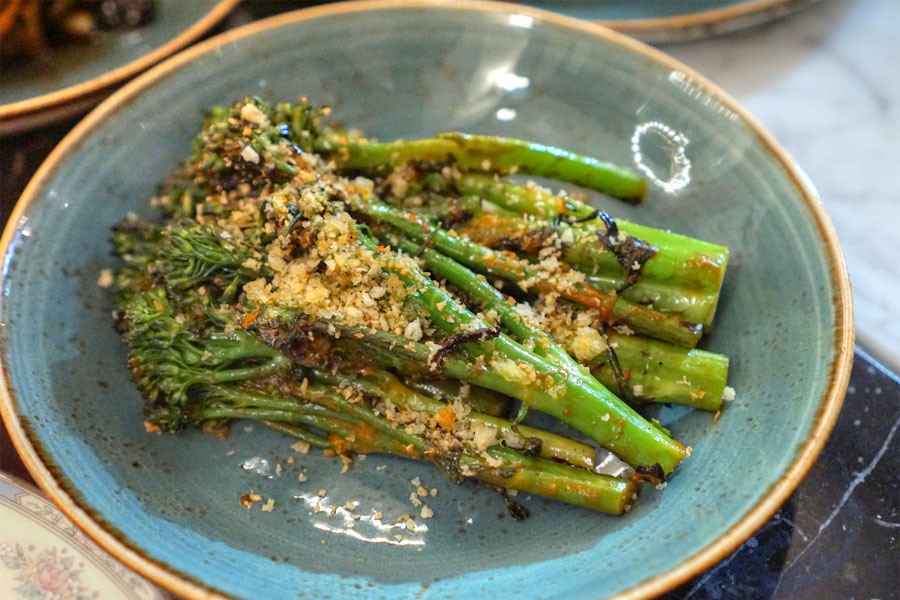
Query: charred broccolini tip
(191, 254)
(171, 353)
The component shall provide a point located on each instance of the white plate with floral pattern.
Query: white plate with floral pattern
(44, 556)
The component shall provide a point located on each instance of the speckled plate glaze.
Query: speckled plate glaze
(674, 20)
(43, 555)
(70, 78)
(168, 506)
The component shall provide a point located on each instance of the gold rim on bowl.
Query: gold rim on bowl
(32, 112)
(830, 402)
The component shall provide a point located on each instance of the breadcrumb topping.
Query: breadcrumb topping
(319, 264)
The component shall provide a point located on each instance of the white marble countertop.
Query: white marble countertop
(826, 82)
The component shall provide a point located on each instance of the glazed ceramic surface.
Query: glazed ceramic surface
(627, 10)
(169, 506)
(84, 68)
(43, 555)
(674, 20)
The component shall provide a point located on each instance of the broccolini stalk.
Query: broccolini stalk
(323, 411)
(354, 427)
(681, 291)
(552, 390)
(516, 471)
(579, 400)
(234, 401)
(491, 299)
(382, 384)
(299, 432)
(480, 399)
(192, 379)
(343, 438)
(661, 372)
(527, 474)
(603, 493)
(691, 305)
(614, 308)
(490, 154)
(681, 262)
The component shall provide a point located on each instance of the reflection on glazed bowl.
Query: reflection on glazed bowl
(171, 506)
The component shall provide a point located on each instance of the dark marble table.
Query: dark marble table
(836, 538)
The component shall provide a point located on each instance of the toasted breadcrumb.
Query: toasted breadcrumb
(106, 278)
(247, 500)
(300, 446)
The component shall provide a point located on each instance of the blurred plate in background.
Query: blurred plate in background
(674, 20)
(72, 76)
(43, 555)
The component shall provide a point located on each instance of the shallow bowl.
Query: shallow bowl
(168, 505)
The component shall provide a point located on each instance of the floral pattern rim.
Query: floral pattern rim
(43, 556)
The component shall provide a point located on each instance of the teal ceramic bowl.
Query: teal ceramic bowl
(72, 77)
(168, 506)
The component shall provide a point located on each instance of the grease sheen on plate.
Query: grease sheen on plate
(498, 70)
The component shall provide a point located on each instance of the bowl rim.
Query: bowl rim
(169, 577)
(92, 90)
